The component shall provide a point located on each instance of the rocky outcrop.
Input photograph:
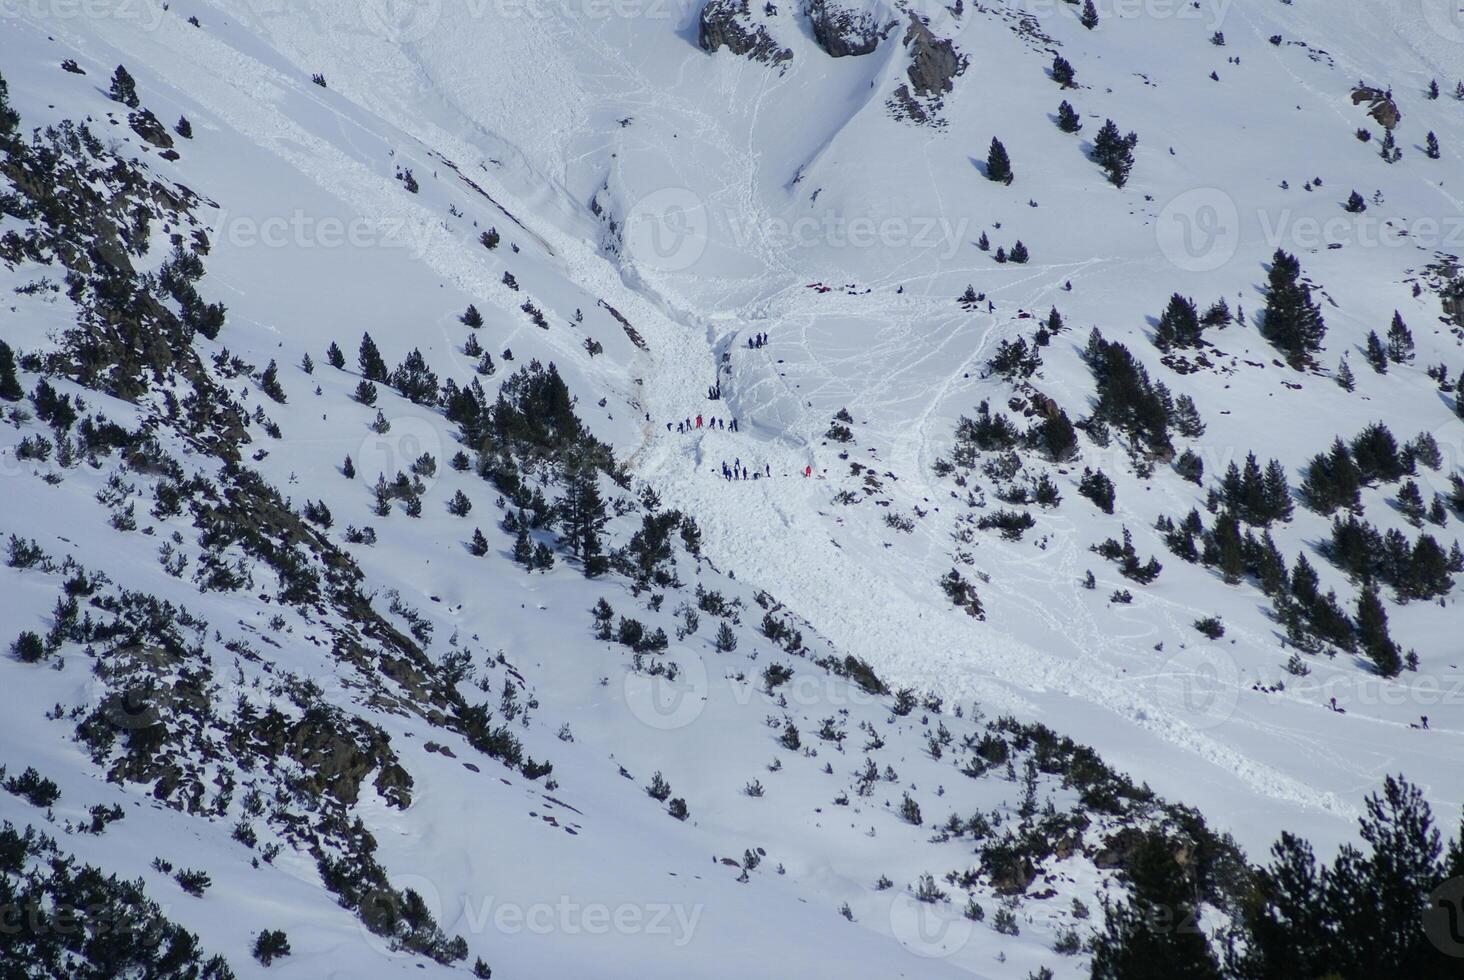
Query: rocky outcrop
(845, 32)
(934, 61)
(1380, 105)
(730, 24)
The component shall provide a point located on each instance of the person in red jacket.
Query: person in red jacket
(698, 421)
(807, 471)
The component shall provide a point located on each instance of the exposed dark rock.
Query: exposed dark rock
(934, 61)
(729, 23)
(843, 32)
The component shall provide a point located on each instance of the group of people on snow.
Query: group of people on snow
(712, 422)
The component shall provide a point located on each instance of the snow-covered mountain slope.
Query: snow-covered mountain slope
(617, 201)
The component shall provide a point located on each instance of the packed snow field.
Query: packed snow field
(889, 614)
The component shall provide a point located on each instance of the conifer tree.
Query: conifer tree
(998, 165)
(471, 317)
(1067, 118)
(1431, 146)
(269, 381)
(1114, 153)
(334, 357)
(1345, 379)
(523, 548)
(369, 360)
(10, 389)
(1179, 324)
(1372, 633)
(1377, 354)
(1019, 253)
(124, 88)
(9, 118)
(1089, 17)
(582, 515)
(1355, 204)
(348, 469)
(1062, 71)
(1292, 321)
(1400, 340)
(478, 547)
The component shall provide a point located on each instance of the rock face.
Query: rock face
(844, 32)
(934, 61)
(1380, 105)
(730, 23)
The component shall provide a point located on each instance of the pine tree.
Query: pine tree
(1062, 71)
(348, 469)
(543, 557)
(1431, 146)
(1400, 340)
(582, 515)
(365, 392)
(334, 357)
(1292, 321)
(1372, 633)
(459, 505)
(1345, 379)
(9, 118)
(1355, 204)
(124, 88)
(998, 165)
(307, 363)
(10, 389)
(478, 546)
(1089, 17)
(1019, 253)
(184, 128)
(984, 244)
(369, 360)
(269, 381)
(1179, 324)
(1067, 118)
(1433, 88)
(1410, 503)
(1377, 355)
(523, 548)
(471, 317)
(1277, 492)
(1155, 934)
(1114, 153)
